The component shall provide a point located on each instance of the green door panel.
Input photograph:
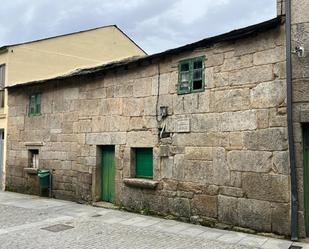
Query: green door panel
(144, 162)
(306, 177)
(108, 173)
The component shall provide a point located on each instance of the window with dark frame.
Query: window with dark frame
(35, 104)
(34, 159)
(191, 76)
(2, 84)
(143, 163)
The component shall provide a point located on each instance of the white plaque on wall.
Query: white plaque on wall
(183, 125)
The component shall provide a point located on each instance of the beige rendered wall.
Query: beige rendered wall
(3, 122)
(61, 55)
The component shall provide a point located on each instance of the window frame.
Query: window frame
(2, 76)
(137, 174)
(191, 70)
(34, 159)
(37, 104)
(2, 84)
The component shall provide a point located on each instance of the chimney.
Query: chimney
(280, 7)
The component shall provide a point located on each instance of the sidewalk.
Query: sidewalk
(34, 222)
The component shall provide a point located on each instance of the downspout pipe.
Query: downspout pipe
(289, 70)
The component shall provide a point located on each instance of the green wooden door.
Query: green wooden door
(306, 178)
(1, 157)
(108, 173)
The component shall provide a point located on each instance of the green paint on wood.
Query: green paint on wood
(191, 75)
(35, 104)
(306, 178)
(108, 173)
(144, 162)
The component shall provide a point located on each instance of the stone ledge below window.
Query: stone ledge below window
(140, 183)
(31, 171)
(2, 114)
(33, 144)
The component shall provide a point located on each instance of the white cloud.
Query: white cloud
(154, 25)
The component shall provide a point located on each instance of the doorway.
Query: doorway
(1, 158)
(306, 176)
(108, 174)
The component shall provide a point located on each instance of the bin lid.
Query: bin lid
(42, 171)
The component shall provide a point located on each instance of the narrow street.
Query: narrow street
(33, 222)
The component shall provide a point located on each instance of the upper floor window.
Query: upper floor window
(35, 104)
(2, 76)
(191, 76)
(2, 84)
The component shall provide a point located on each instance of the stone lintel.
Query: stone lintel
(304, 116)
(141, 183)
(33, 144)
(31, 171)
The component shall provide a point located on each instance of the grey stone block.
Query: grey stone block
(253, 161)
(266, 139)
(199, 153)
(254, 214)
(255, 74)
(266, 187)
(237, 121)
(281, 162)
(268, 94)
(179, 207)
(205, 205)
(221, 171)
(280, 218)
(230, 100)
(228, 209)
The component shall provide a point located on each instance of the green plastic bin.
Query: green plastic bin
(44, 176)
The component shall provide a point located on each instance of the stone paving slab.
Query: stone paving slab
(104, 228)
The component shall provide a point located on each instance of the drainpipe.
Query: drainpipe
(294, 197)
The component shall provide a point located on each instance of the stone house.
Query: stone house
(40, 59)
(201, 132)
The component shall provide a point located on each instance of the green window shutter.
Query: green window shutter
(38, 104)
(144, 162)
(32, 108)
(191, 75)
(35, 104)
(198, 74)
(2, 76)
(184, 77)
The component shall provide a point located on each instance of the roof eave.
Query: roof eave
(229, 36)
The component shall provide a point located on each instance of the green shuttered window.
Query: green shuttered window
(35, 104)
(144, 162)
(191, 76)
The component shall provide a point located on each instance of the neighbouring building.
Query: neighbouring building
(54, 56)
(200, 132)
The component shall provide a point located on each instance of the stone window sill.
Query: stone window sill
(140, 183)
(2, 114)
(31, 171)
(33, 143)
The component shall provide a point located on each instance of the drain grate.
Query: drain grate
(96, 215)
(57, 228)
(295, 247)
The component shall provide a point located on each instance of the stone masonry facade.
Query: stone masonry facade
(300, 37)
(230, 167)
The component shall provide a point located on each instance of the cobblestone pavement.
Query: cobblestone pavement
(25, 222)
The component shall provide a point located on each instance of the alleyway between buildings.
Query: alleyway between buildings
(33, 222)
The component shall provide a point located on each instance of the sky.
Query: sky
(155, 25)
